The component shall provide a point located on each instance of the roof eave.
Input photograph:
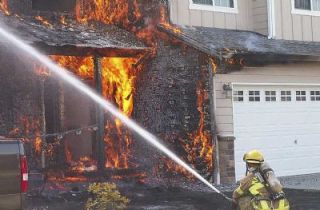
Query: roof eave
(74, 50)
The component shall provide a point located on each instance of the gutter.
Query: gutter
(271, 19)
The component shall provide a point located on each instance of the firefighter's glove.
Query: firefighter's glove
(234, 204)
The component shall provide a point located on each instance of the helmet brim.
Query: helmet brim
(253, 161)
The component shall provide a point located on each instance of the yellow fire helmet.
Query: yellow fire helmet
(253, 156)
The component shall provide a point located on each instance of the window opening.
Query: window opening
(312, 5)
(315, 95)
(301, 96)
(285, 95)
(254, 96)
(271, 96)
(238, 95)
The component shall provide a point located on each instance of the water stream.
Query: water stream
(70, 79)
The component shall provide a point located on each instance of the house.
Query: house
(230, 76)
(266, 87)
(169, 96)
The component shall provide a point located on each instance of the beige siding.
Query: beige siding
(293, 73)
(260, 16)
(181, 14)
(292, 26)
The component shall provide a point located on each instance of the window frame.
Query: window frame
(255, 96)
(300, 96)
(314, 96)
(236, 96)
(286, 96)
(270, 96)
(302, 11)
(214, 8)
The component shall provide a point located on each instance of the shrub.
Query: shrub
(105, 197)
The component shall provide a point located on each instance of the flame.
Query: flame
(85, 164)
(56, 179)
(118, 78)
(63, 20)
(164, 20)
(41, 71)
(214, 65)
(106, 11)
(201, 146)
(29, 130)
(4, 7)
(118, 85)
(44, 21)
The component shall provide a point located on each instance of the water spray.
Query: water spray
(73, 81)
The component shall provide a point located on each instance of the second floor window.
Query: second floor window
(219, 3)
(312, 5)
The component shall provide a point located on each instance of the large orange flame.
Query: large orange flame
(201, 145)
(30, 131)
(4, 7)
(118, 85)
(118, 78)
(107, 11)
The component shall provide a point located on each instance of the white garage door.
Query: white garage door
(281, 121)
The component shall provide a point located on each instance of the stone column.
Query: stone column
(226, 159)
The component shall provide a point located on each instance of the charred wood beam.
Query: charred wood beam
(43, 123)
(99, 144)
(59, 107)
(73, 50)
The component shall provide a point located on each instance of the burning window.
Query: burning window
(315, 95)
(312, 5)
(56, 5)
(254, 96)
(285, 95)
(301, 96)
(271, 96)
(238, 95)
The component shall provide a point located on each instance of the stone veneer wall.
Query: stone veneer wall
(226, 159)
(166, 101)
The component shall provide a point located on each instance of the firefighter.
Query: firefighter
(254, 192)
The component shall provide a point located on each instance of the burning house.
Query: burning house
(151, 77)
(185, 84)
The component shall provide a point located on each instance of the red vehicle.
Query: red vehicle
(13, 174)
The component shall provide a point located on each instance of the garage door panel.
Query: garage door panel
(276, 118)
(286, 132)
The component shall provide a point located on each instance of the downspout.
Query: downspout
(216, 166)
(271, 19)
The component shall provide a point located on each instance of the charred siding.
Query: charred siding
(166, 99)
(20, 104)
